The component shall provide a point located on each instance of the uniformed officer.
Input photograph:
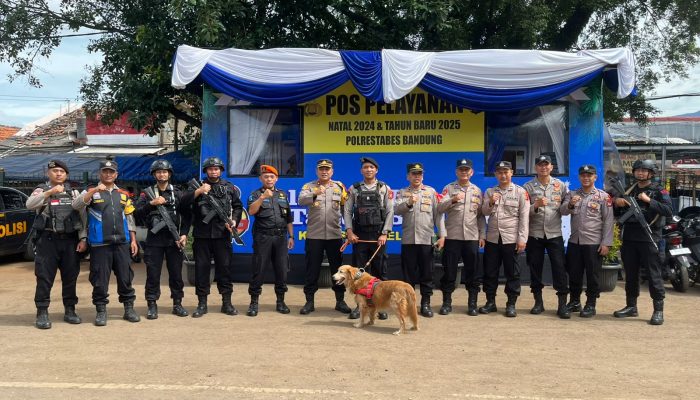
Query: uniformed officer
(418, 205)
(60, 233)
(112, 238)
(591, 237)
(162, 244)
(508, 208)
(546, 193)
(637, 250)
(273, 236)
(325, 200)
(213, 239)
(466, 233)
(369, 216)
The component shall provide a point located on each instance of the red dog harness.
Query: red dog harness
(368, 290)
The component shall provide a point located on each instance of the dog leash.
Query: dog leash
(372, 258)
(347, 243)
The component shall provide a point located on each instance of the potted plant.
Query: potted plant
(611, 263)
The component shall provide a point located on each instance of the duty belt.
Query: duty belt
(54, 235)
(272, 232)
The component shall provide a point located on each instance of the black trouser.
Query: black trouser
(153, 257)
(417, 265)
(314, 249)
(269, 249)
(104, 260)
(468, 251)
(535, 260)
(494, 255)
(56, 252)
(636, 255)
(580, 258)
(204, 249)
(361, 253)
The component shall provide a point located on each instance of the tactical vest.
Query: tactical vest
(106, 219)
(369, 214)
(61, 218)
(154, 218)
(221, 193)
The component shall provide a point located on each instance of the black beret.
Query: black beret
(58, 164)
(370, 160)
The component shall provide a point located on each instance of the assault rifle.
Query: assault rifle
(217, 210)
(634, 211)
(166, 221)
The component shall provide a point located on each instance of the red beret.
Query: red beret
(264, 169)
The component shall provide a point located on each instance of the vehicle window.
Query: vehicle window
(269, 136)
(12, 200)
(521, 136)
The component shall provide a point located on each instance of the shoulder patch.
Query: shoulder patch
(390, 193)
(527, 196)
(305, 187)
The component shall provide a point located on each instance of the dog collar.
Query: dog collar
(359, 273)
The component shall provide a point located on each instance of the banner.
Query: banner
(343, 121)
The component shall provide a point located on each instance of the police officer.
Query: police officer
(369, 216)
(546, 193)
(213, 239)
(591, 237)
(273, 236)
(60, 233)
(418, 205)
(637, 250)
(325, 200)
(508, 208)
(162, 244)
(112, 238)
(466, 233)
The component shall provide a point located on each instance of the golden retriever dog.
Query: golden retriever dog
(397, 295)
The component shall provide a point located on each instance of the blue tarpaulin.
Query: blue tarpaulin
(131, 168)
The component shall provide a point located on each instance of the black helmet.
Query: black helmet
(159, 165)
(212, 162)
(644, 164)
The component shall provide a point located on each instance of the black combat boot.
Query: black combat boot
(70, 316)
(152, 310)
(281, 307)
(657, 318)
(562, 310)
(630, 310)
(538, 308)
(340, 304)
(42, 318)
(309, 306)
(425, 309)
(101, 317)
(471, 303)
(226, 305)
(178, 309)
(589, 309)
(510, 306)
(129, 313)
(201, 307)
(253, 307)
(355, 314)
(490, 305)
(574, 304)
(446, 307)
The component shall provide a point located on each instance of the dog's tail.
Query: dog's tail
(412, 308)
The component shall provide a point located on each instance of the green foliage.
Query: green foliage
(613, 256)
(140, 38)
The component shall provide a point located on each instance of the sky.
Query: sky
(62, 72)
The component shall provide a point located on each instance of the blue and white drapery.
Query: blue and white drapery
(481, 80)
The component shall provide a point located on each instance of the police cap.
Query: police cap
(414, 167)
(465, 162)
(58, 164)
(108, 164)
(543, 158)
(504, 165)
(324, 162)
(587, 169)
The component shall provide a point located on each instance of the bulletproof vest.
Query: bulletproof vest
(654, 220)
(369, 214)
(62, 218)
(220, 192)
(154, 217)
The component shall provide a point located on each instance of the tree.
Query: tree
(138, 38)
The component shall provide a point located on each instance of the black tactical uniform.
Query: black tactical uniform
(638, 251)
(213, 240)
(58, 227)
(270, 245)
(161, 243)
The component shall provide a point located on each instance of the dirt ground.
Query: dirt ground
(323, 356)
